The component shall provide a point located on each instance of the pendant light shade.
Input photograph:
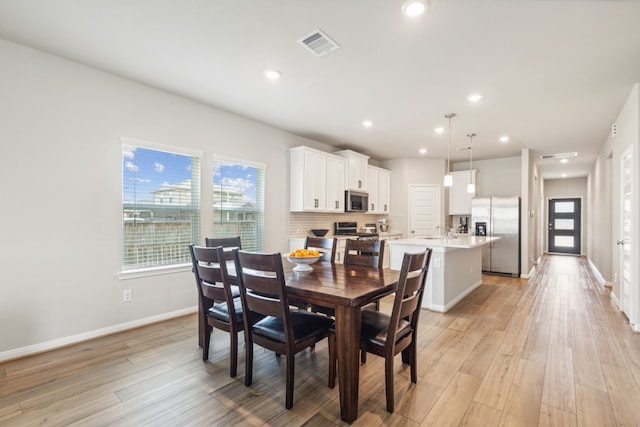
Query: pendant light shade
(448, 179)
(471, 187)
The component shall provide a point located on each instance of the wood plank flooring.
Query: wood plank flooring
(549, 351)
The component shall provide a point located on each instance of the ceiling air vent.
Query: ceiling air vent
(319, 43)
(559, 155)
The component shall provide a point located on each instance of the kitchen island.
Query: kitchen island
(456, 266)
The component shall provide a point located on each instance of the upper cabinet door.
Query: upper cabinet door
(379, 182)
(356, 173)
(335, 183)
(308, 180)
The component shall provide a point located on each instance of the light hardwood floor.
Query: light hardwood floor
(550, 351)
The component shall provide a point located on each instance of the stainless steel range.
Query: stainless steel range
(350, 228)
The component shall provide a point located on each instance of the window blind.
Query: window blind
(238, 201)
(160, 205)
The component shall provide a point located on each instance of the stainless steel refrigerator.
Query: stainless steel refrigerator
(498, 217)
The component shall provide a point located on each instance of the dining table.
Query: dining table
(345, 289)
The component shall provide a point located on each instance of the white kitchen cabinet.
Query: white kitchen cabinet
(387, 238)
(379, 182)
(335, 183)
(459, 199)
(316, 181)
(356, 169)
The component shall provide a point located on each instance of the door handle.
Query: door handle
(620, 242)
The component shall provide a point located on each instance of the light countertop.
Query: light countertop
(460, 242)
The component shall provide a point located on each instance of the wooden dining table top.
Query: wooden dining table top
(339, 284)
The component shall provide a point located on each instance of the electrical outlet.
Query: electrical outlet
(127, 295)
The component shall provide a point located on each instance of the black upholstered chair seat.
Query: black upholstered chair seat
(305, 325)
(376, 324)
(220, 311)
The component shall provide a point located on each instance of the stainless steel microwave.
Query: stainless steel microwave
(356, 201)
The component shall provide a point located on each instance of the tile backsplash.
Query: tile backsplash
(301, 223)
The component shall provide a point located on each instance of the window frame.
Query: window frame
(216, 158)
(166, 268)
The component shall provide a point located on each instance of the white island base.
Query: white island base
(455, 270)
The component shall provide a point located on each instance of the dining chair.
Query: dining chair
(220, 309)
(282, 330)
(364, 252)
(323, 243)
(369, 253)
(227, 243)
(387, 335)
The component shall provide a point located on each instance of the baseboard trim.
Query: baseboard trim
(74, 339)
(614, 299)
(601, 281)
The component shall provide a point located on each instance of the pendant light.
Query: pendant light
(448, 179)
(471, 187)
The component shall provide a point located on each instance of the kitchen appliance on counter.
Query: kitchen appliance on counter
(498, 217)
(383, 225)
(350, 228)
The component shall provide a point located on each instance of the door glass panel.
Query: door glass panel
(563, 241)
(563, 224)
(564, 207)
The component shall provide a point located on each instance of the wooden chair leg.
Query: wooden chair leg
(207, 341)
(233, 363)
(388, 380)
(248, 370)
(363, 357)
(332, 360)
(290, 380)
(413, 361)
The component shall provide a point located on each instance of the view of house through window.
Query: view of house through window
(238, 202)
(160, 205)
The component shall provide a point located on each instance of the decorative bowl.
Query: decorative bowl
(320, 232)
(302, 262)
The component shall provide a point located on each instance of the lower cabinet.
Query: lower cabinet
(386, 238)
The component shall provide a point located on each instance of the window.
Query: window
(160, 204)
(238, 202)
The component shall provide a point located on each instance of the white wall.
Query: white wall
(60, 166)
(496, 177)
(405, 172)
(604, 183)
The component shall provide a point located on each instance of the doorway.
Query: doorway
(424, 210)
(565, 225)
(626, 223)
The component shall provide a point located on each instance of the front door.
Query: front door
(564, 226)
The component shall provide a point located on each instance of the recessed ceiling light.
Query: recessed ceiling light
(504, 138)
(423, 151)
(564, 175)
(564, 161)
(474, 97)
(272, 74)
(439, 130)
(367, 123)
(414, 7)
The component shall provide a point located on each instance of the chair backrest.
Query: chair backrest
(323, 243)
(369, 253)
(211, 275)
(411, 284)
(228, 243)
(262, 287)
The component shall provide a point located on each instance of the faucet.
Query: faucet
(447, 232)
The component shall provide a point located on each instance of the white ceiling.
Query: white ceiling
(554, 73)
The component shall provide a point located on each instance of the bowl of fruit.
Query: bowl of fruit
(302, 258)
